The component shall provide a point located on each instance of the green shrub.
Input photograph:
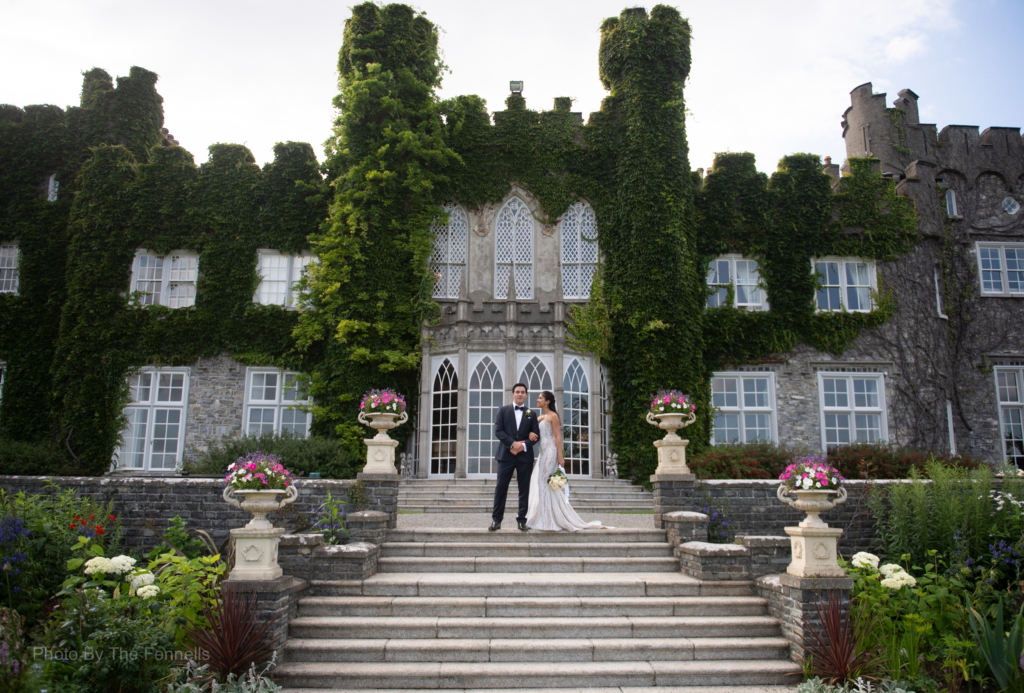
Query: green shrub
(36, 459)
(327, 456)
(881, 461)
(744, 461)
(55, 523)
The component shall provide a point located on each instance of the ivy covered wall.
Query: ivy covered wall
(71, 336)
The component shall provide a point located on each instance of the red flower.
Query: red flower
(73, 525)
(100, 531)
(111, 518)
(76, 517)
(92, 517)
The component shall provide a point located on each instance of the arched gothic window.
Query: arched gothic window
(444, 414)
(451, 246)
(514, 249)
(535, 376)
(576, 420)
(486, 394)
(579, 250)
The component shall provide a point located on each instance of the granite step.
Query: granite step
(522, 564)
(440, 627)
(526, 549)
(509, 533)
(490, 675)
(525, 607)
(535, 650)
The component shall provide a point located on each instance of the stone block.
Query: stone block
(706, 561)
(276, 601)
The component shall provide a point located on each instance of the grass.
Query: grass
(410, 512)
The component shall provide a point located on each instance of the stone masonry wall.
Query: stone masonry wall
(216, 398)
(197, 500)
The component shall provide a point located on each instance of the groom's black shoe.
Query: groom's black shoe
(523, 527)
(495, 526)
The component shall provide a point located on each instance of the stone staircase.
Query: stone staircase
(477, 496)
(472, 609)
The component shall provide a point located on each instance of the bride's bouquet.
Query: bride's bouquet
(557, 481)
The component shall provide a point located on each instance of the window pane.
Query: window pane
(991, 270)
(829, 293)
(727, 428)
(181, 295)
(166, 428)
(8, 269)
(183, 268)
(837, 429)
(1015, 269)
(869, 428)
(133, 448)
(149, 279)
(295, 421)
(291, 390)
(264, 387)
(865, 393)
(747, 277)
(140, 387)
(1008, 389)
(836, 394)
(723, 392)
(1013, 434)
(273, 271)
(260, 421)
(755, 392)
(756, 427)
(171, 387)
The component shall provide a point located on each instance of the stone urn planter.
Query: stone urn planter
(259, 503)
(671, 448)
(380, 450)
(813, 542)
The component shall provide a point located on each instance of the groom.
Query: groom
(517, 430)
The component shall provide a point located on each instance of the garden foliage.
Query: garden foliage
(327, 456)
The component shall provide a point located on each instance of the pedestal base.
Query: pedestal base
(671, 456)
(814, 552)
(256, 554)
(380, 456)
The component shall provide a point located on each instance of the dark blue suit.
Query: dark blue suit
(506, 432)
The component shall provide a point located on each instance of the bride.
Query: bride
(549, 509)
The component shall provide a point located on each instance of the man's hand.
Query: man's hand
(517, 447)
(533, 437)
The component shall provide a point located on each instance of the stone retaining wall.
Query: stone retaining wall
(198, 501)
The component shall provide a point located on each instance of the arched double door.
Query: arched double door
(476, 396)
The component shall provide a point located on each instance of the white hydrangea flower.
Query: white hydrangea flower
(864, 559)
(899, 580)
(142, 579)
(98, 565)
(890, 569)
(122, 564)
(148, 592)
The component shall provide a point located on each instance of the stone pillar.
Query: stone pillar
(370, 526)
(794, 602)
(256, 554)
(462, 412)
(682, 527)
(672, 492)
(380, 454)
(814, 552)
(382, 490)
(425, 405)
(276, 602)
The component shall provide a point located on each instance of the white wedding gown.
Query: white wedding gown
(549, 510)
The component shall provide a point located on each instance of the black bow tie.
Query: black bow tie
(519, 408)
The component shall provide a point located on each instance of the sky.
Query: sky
(771, 77)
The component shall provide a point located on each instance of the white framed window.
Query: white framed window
(845, 283)
(279, 275)
(744, 408)
(852, 409)
(513, 240)
(579, 251)
(165, 280)
(52, 187)
(9, 268)
(486, 396)
(535, 375)
(155, 432)
(743, 276)
(275, 403)
(1001, 268)
(444, 420)
(951, 210)
(576, 419)
(451, 249)
(1010, 394)
(938, 295)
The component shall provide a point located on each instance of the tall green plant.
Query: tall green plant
(371, 289)
(1002, 649)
